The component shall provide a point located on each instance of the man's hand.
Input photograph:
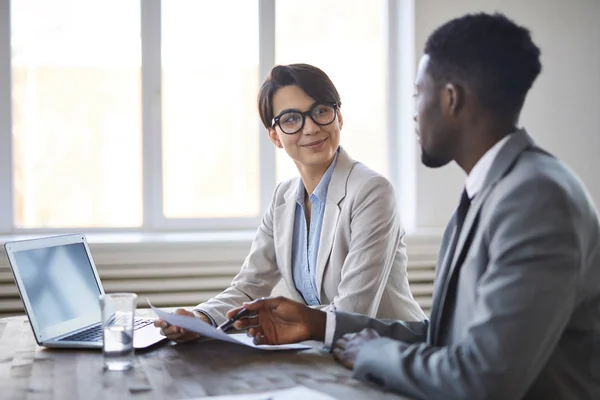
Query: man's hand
(347, 347)
(176, 333)
(280, 320)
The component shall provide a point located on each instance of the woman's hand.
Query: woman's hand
(177, 334)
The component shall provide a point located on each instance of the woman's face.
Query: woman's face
(314, 144)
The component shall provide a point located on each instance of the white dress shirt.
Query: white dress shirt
(473, 185)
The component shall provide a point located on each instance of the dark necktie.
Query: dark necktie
(461, 212)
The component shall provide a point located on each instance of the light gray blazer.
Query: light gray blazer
(361, 264)
(516, 311)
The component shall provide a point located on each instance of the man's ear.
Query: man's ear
(453, 98)
(274, 137)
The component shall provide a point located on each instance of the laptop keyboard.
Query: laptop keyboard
(94, 333)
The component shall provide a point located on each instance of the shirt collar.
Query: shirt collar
(476, 178)
(321, 189)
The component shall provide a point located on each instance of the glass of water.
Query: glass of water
(118, 311)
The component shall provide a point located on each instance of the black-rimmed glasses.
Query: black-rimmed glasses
(292, 121)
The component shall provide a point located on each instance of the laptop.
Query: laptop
(60, 288)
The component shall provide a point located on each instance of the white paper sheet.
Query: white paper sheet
(295, 393)
(206, 330)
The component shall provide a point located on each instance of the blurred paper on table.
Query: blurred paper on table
(206, 330)
(295, 393)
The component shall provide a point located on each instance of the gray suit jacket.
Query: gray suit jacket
(516, 310)
(361, 264)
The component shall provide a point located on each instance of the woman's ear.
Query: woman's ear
(274, 137)
(340, 118)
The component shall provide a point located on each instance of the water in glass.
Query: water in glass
(118, 348)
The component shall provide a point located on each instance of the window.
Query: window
(141, 115)
(346, 39)
(76, 113)
(210, 128)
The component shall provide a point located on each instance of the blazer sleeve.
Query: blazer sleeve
(405, 331)
(376, 236)
(257, 277)
(524, 301)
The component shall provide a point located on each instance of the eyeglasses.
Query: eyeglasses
(292, 121)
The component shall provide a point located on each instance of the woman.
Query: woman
(333, 234)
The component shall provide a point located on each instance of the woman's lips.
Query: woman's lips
(315, 144)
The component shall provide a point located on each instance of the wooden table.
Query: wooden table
(172, 371)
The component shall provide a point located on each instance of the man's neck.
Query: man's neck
(476, 142)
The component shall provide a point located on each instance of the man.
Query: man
(516, 305)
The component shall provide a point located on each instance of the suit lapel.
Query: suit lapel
(508, 155)
(453, 255)
(335, 194)
(443, 265)
(283, 237)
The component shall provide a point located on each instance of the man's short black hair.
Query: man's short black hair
(491, 54)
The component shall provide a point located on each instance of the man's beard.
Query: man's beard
(431, 161)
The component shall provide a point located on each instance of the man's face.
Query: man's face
(433, 129)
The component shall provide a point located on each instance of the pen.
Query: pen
(229, 323)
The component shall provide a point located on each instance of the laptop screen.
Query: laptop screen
(59, 282)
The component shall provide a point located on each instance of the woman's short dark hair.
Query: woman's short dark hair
(310, 79)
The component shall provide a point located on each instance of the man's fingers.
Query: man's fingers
(341, 343)
(262, 303)
(256, 305)
(337, 353)
(255, 332)
(232, 312)
(260, 339)
(246, 322)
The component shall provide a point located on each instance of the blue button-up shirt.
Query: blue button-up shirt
(306, 244)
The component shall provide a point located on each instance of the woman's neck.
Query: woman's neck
(312, 174)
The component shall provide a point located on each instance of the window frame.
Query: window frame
(401, 154)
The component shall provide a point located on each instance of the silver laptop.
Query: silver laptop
(59, 287)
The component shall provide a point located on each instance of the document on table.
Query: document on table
(295, 393)
(206, 330)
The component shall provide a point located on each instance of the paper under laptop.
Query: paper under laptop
(206, 330)
(295, 393)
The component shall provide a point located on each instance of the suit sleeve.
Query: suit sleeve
(405, 331)
(524, 301)
(376, 239)
(257, 277)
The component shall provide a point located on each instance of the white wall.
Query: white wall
(562, 111)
